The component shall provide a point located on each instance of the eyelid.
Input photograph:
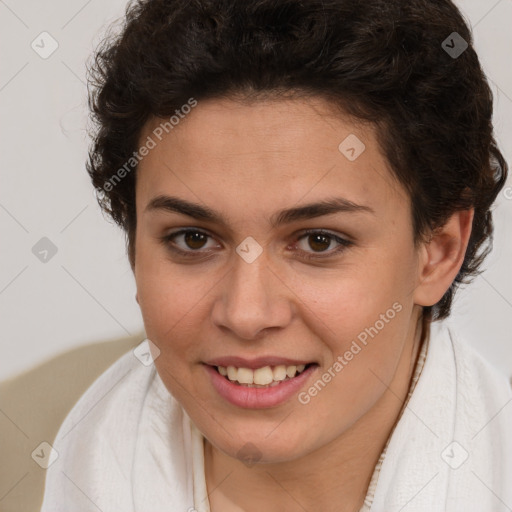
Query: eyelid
(341, 240)
(167, 241)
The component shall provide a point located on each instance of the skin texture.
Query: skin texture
(247, 161)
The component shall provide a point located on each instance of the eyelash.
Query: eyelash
(167, 241)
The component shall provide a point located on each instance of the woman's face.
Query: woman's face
(247, 288)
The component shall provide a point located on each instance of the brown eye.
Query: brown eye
(188, 242)
(195, 239)
(193, 243)
(319, 242)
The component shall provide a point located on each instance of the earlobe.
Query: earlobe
(441, 258)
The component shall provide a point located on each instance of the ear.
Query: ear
(441, 257)
(137, 298)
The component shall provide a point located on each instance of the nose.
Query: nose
(252, 299)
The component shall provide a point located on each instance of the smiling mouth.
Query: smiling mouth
(265, 377)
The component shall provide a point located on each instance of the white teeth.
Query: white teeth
(232, 373)
(246, 376)
(291, 371)
(280, 372)
(261, 377)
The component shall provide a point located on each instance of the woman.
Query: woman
(303, 186)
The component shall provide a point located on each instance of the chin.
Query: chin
(260, 447)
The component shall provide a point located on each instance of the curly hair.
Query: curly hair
(382, 61)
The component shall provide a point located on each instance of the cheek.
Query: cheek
(158, 291)
(159, 283)
(363, 329)
(346, 300)
(361, 314)
(171, 307)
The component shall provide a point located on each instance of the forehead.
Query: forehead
(266, 154)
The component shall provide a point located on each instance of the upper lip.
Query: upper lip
(259, 362)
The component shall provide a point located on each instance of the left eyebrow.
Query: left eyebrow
(287, 216)
(312, 210)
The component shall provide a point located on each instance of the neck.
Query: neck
(332, 478)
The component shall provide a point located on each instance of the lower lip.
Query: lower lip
(258, 398)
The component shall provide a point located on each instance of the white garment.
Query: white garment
(128, 446)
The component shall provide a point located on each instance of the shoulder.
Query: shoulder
(455, 430)
(471, 366)
(123, 383)
(95, 445)
(482, 397)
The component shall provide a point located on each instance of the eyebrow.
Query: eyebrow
(304, 212)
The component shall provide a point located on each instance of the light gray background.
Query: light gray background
(86, 292)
